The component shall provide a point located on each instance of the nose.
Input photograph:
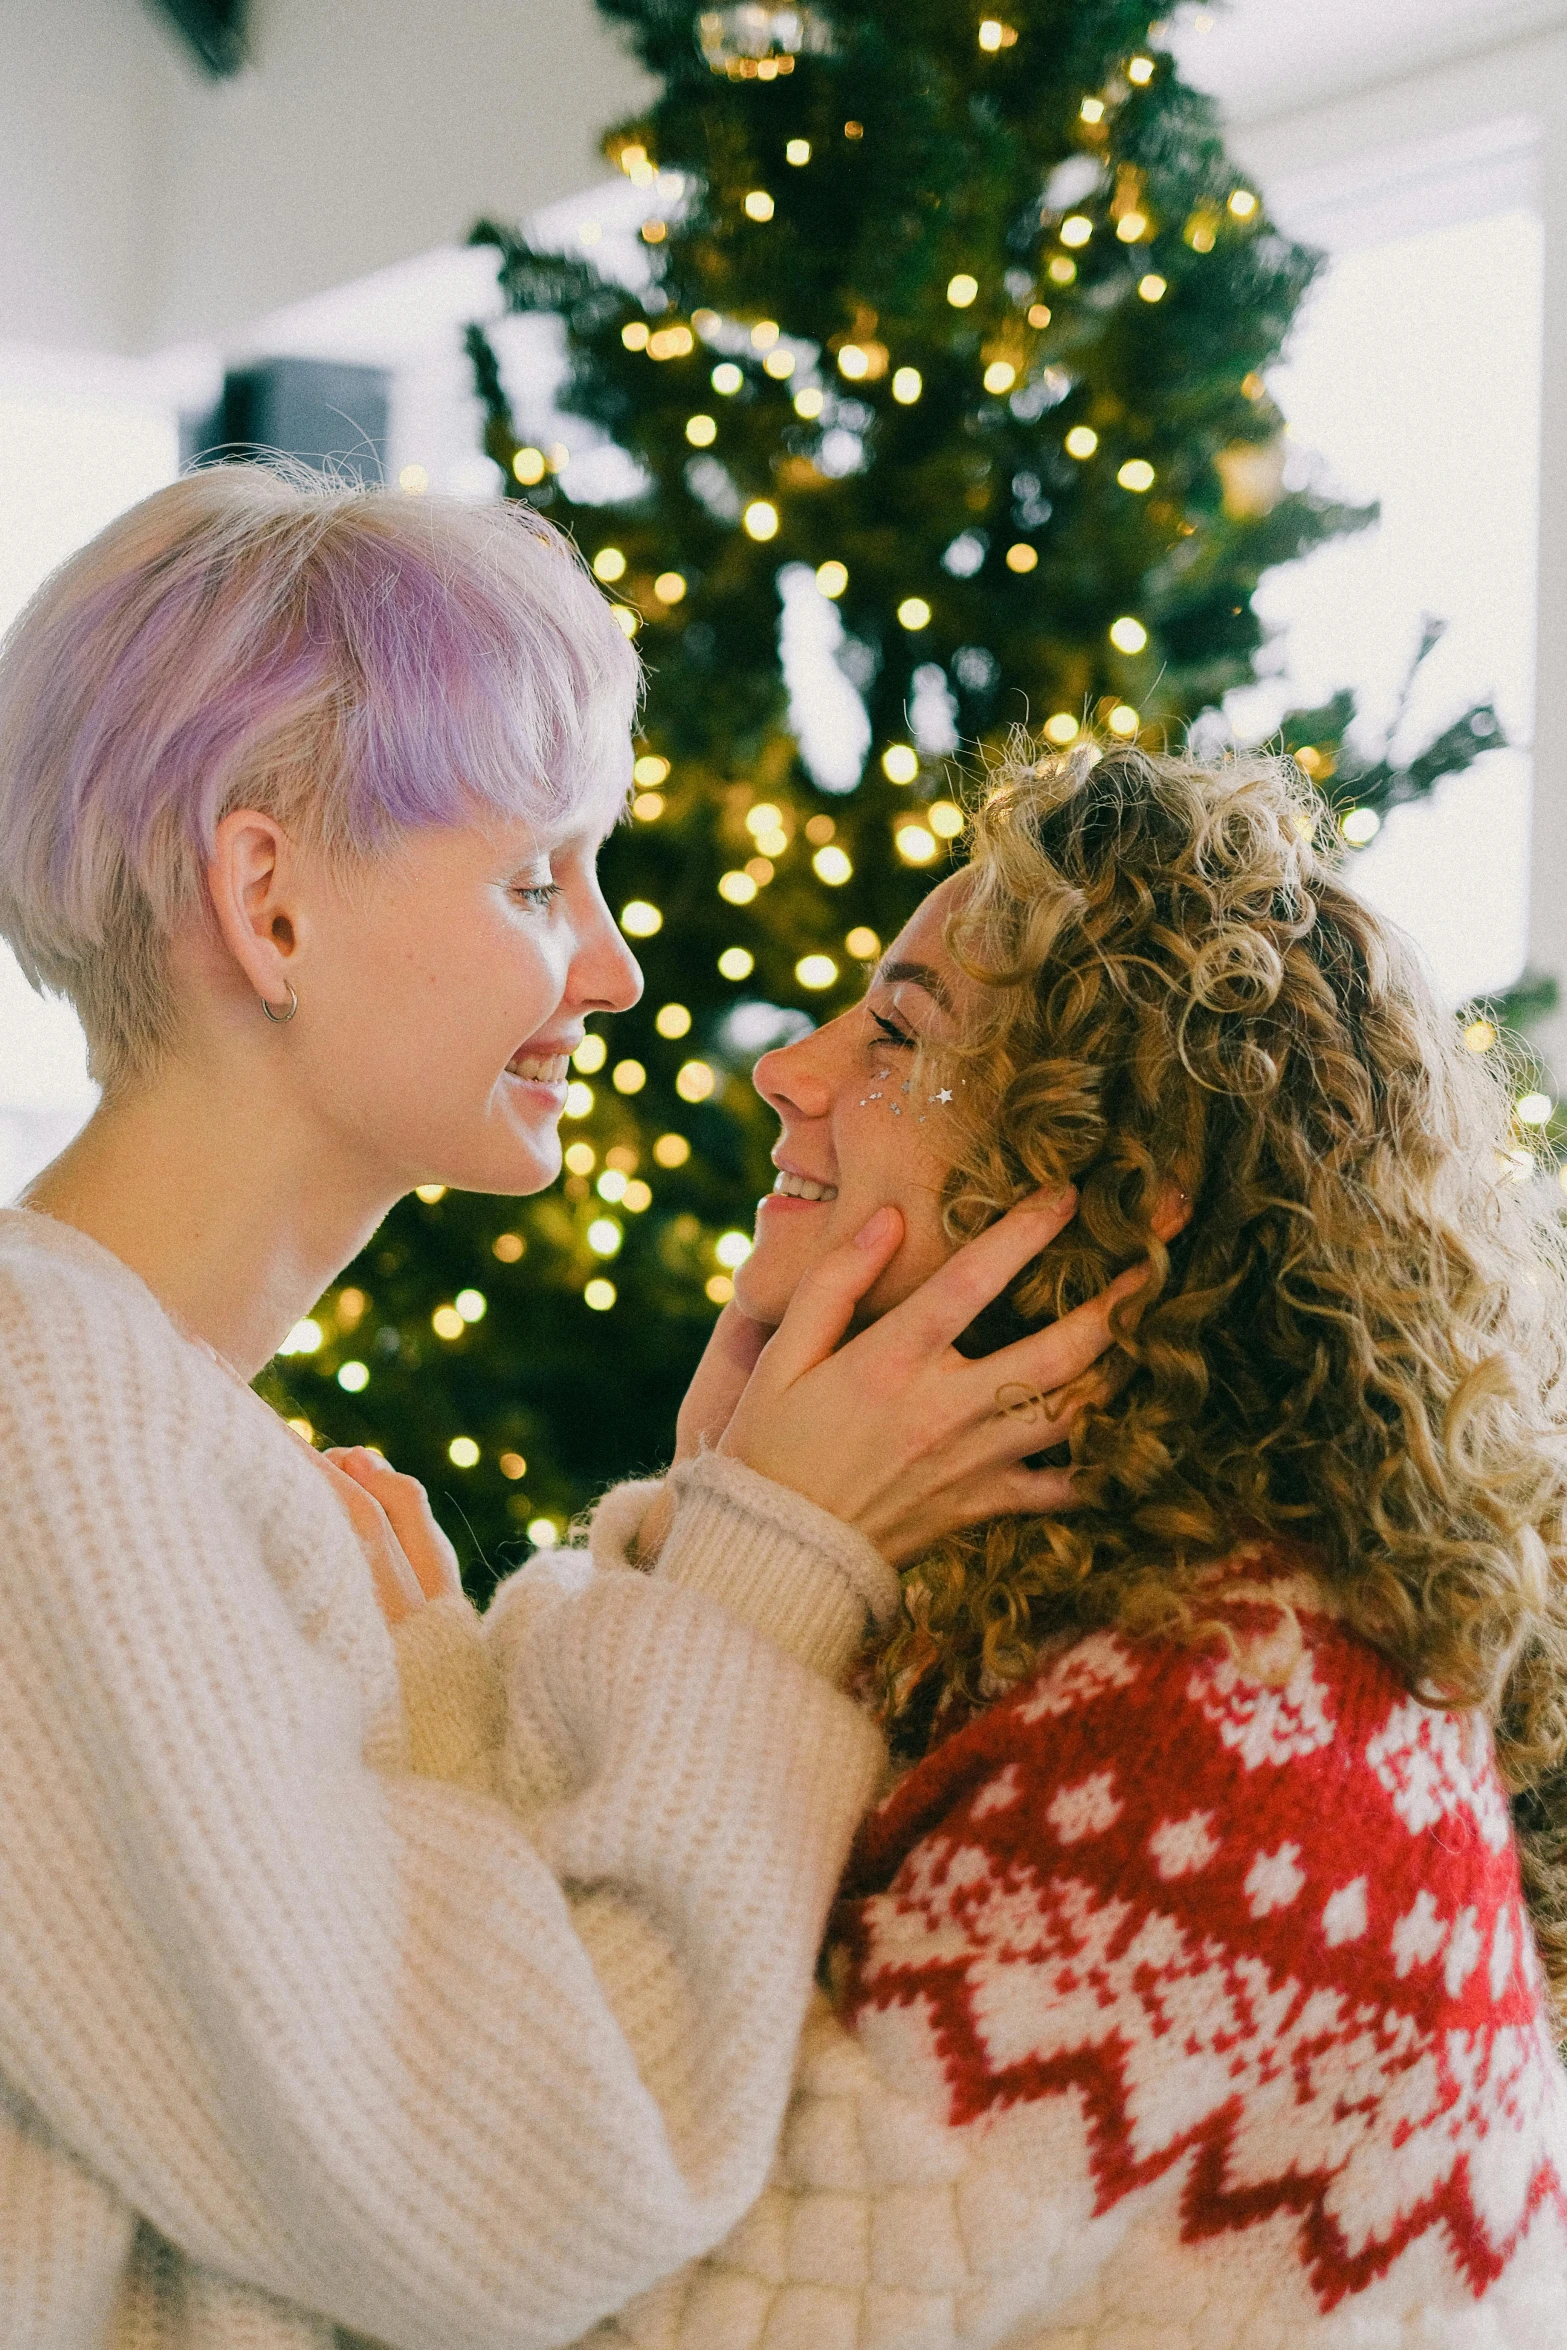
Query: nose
(605, 975)
(796, 1077)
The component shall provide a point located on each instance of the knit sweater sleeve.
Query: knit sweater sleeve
(372, 2044)
(1191, 1999)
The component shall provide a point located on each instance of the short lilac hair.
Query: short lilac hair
(350, 660)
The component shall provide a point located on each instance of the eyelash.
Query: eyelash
(892, 1034)
(538, 896)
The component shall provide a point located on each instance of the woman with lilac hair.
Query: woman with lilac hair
(363, 1963)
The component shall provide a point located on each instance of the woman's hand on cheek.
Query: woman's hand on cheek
(896, 1432)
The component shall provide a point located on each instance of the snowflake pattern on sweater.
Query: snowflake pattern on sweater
(1186, 1997)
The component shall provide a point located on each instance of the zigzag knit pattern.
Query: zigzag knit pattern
(1186, 1999)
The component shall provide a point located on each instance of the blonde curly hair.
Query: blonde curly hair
(1356, 1343)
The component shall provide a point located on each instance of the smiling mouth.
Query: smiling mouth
(801, 1187)
(547, 1069)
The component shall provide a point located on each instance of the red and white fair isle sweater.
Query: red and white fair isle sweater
(1181, 2000)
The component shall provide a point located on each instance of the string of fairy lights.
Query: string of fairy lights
(760, 43)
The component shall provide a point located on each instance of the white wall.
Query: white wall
(142, 204)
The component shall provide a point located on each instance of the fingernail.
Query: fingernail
(872, 1234)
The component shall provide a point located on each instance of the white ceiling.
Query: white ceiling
(1266, 57)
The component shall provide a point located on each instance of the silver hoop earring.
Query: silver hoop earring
(281, 1019)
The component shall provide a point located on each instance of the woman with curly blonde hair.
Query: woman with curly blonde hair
(1199, 1979)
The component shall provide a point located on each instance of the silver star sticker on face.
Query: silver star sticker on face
(945, 1094)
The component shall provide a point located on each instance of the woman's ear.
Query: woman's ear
(1172, 1213)
(250, 886)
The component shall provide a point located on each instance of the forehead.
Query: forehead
(922, 939)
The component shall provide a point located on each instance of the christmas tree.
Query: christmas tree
(952, 347)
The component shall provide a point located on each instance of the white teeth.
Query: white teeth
(543, 1072)
(800, 1187)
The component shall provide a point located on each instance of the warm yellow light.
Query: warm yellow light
(944, 819)
(463, 1453)
(900, 762)
(671, 342)
(648, 806)
(761, 519)
(604, 1236)
(1242, 203)
(816, 971)
(351, 1304)
(760, 869)
(1131, 226)
(797, 151)
(512, 1466)
(695, 1081)
(639, 919)
(673, 1020)
(627, 621)
(832, 578)
(764, 817)
(649, 771)
(598, 1296)
(1000, 376)
(727, 378)
(1039, 315)
(637, 1196)
(581, 1159)
(653, 233)
(634, 158)
(779, 365)
(962, 289)
(354, 1377)
(809, 402)
(671, 1150)
(472, 1304)
(529, 467)
(1076, 230)
(1479, 1036)
(414, 480)
(1123, 720)
(720, 1289)
(1061, 269)
(628, 1077)
(1061, 728)
(611, 1184)
(1199, 232)
(758, 205)
(1081, 441)
(915, 845)
(579, 1100)
(736, 889)
(1360, 826)
(854, 362)
(590, 1055)
(304, 1339)
(1139, 70)
(701, 431)
(446, 1322)
(304, 1429)
(1128, 635)
(1022, 557)
(1153, 287)
(543, 1533)
(706, 322)
(1534, 1109)
(764, 334)
(1136, 474)
(731, 1249)
(1092, 110)
(913, 613)
(669, 587)
(862, 943)
(907, 385)
(832, 865)
(429, 1192)
(990, 34)
(736, 963)
(635, 334)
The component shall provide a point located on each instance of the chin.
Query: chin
(509, 1166)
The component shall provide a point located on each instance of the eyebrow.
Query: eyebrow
(922, 975)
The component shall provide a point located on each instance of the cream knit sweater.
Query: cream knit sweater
(287, 2027)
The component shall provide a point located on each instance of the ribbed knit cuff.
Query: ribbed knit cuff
(804, 1578)
(616, 1520)
(451, 1691)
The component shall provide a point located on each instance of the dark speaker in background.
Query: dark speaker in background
(316, 409)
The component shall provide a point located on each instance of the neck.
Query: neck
(235, 1211)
